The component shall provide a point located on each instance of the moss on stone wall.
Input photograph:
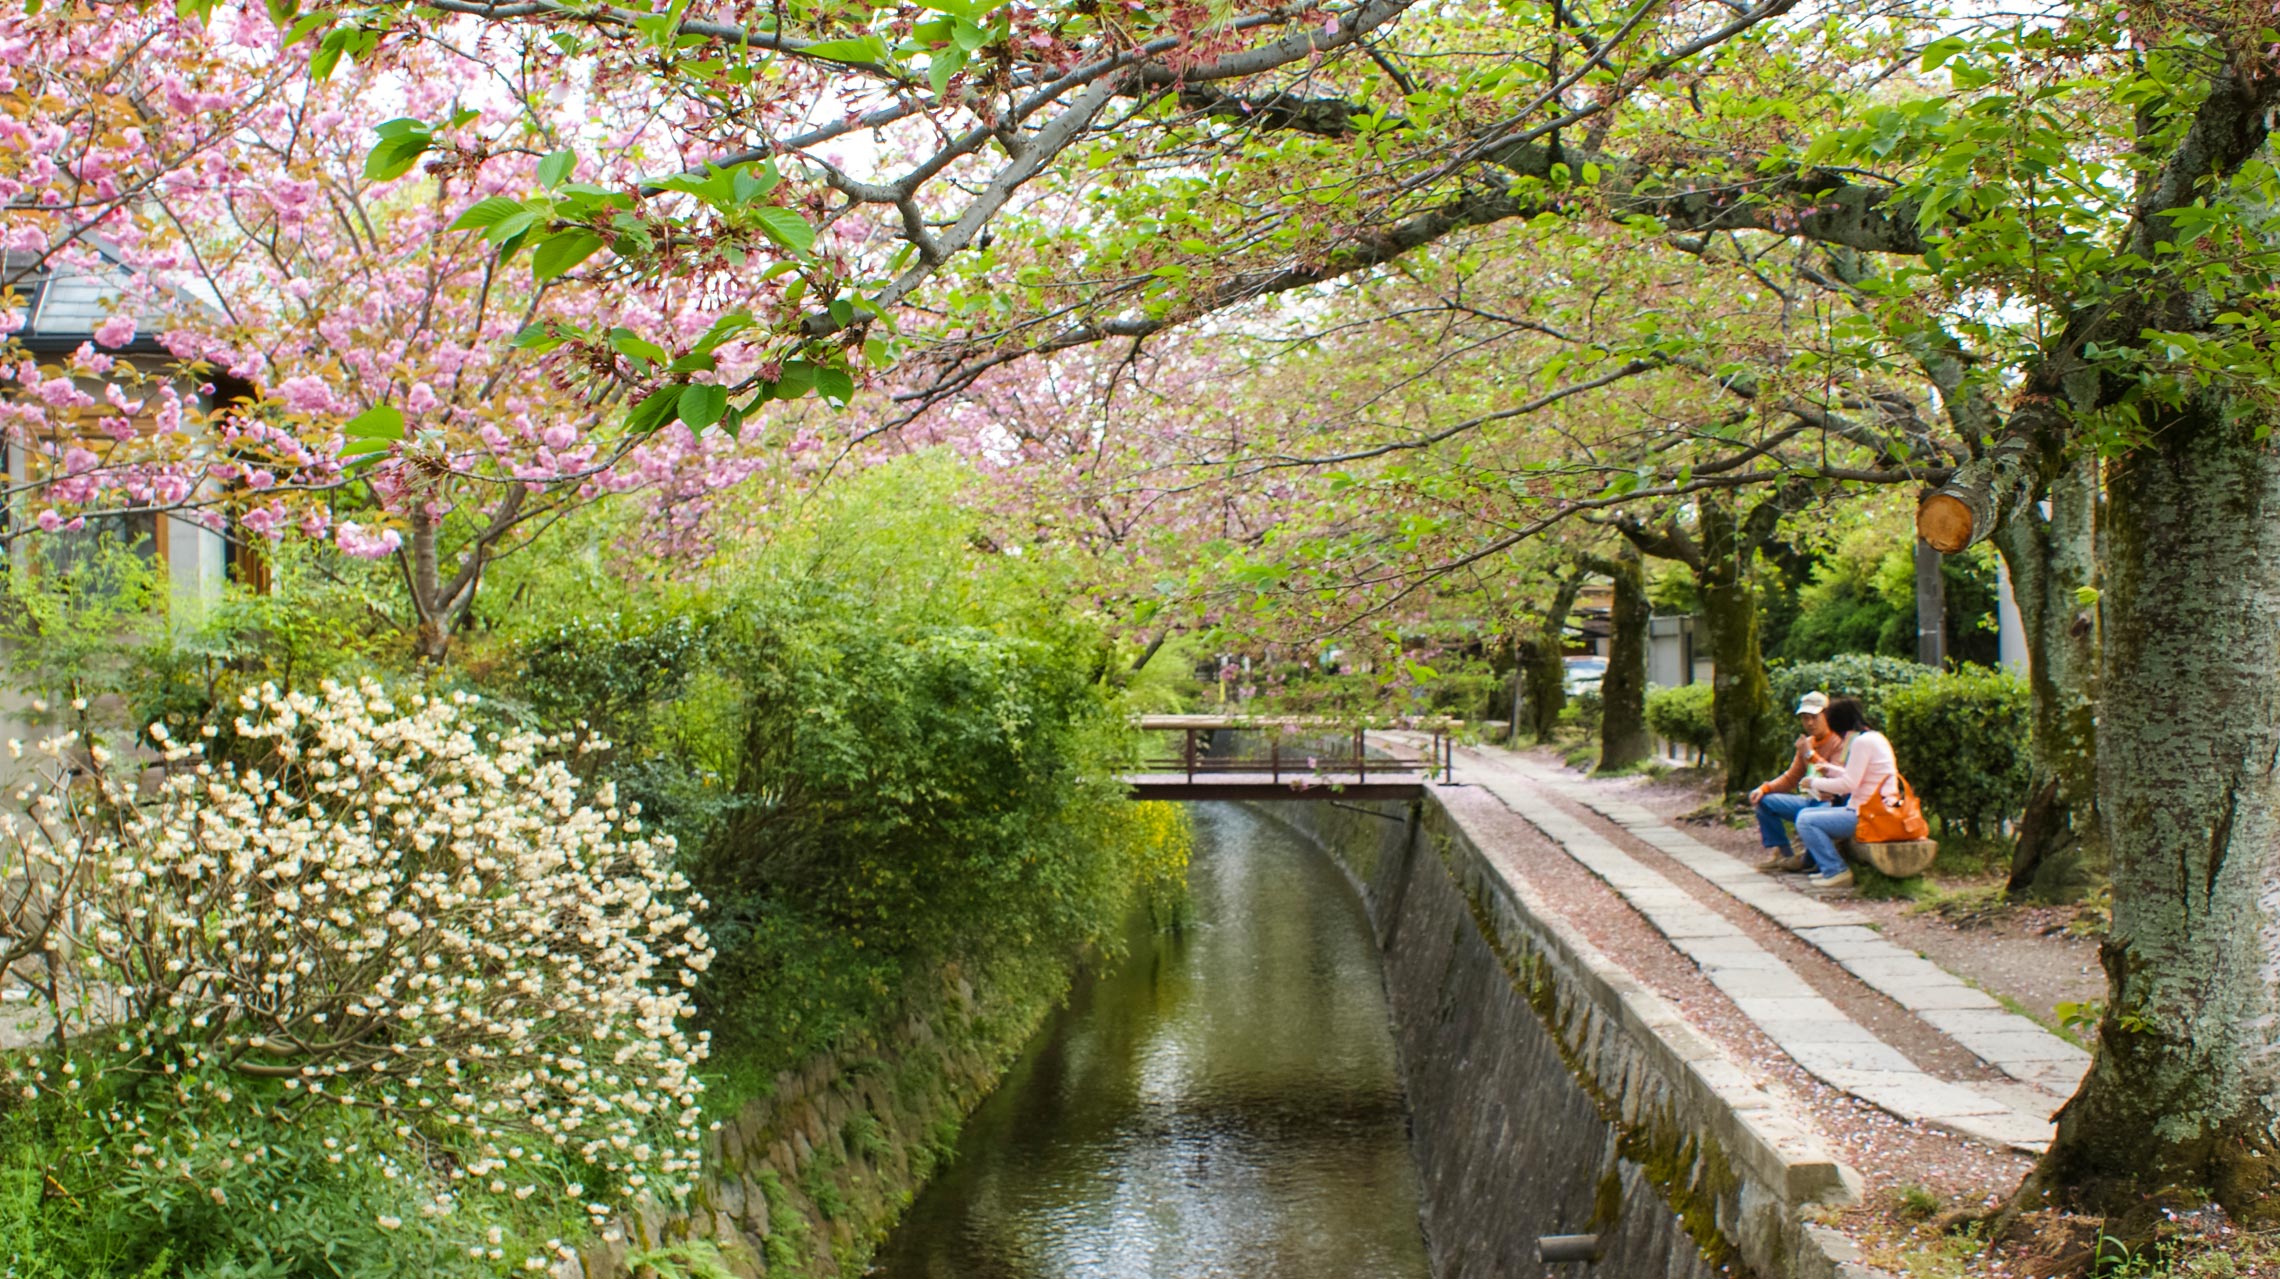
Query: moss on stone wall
(806, 1179)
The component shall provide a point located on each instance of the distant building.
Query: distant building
(60, 310)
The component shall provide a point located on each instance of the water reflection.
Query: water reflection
(1225, 1103)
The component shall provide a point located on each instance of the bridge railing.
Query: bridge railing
(1279, 747)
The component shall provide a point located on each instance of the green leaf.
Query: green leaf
(486, 213)
(752, 181)
(797, 379)
(702, 404)
(654, 408)
(2086, 595)
(401, 143)
(309, 25)
(944, 64)
(835, 385)
(556, 167)
(670, 24)
(723, 329)
(629, 343)
(561, 252)
(538, 337)
(380, 422)
(512, 225)
(868, 49)
(787, 228)
(968, 35)
(1937, 53)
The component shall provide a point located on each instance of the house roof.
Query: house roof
(62, 305)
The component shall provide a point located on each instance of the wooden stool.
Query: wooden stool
(1898, 859)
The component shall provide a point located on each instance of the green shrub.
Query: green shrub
(1585, 710)
(1870, 679)
(880, 752)
(1682, 714)
(242, 1180)
(1961, 738)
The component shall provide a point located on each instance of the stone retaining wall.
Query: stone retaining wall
(1551, 1094)
(807, 1179)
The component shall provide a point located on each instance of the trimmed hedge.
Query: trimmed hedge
(1962, 741)
(1682, 714)
(1869, 678)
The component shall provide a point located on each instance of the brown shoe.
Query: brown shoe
(1785, 865)
(1842, 879)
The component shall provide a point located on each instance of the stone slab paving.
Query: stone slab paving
(1810, 1029)
(2018, 1046)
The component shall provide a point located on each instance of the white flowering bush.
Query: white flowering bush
(390, 907)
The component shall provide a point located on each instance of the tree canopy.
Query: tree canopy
(1306, 306)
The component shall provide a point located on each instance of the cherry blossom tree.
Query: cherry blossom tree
(351, 327)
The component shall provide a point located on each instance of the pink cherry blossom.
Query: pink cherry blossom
(370, 544)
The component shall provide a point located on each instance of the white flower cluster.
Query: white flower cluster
(396, 910)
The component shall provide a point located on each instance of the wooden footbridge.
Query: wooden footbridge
(1187, 757)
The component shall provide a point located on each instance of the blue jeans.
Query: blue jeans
(1821, 829)
(1776, 813)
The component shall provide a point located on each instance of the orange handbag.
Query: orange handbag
(1881, 823)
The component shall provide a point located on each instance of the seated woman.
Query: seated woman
(1868, 769)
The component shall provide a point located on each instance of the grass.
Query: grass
(1875, 885)
(127, 1174)
(1925, 1251)
(1969, 904)
(1648, 767)
(1918, 1203)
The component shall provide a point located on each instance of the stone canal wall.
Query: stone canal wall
(1550, 1093)
(807, 1178)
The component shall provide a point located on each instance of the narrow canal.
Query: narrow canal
(1224, 1103)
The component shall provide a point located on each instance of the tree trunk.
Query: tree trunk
(1623, 737)
(2184, 1094)
(1741, 699)
(432, 638)
(1931, 607)
(1546, 664)
(2060, 851)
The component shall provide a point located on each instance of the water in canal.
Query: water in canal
(1224, 1103)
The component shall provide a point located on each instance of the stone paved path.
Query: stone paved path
(1809, 1028)
(2016, 1045)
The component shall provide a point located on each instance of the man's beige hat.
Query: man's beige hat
(1812, 703)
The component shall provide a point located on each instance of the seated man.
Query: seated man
(1778, 802)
